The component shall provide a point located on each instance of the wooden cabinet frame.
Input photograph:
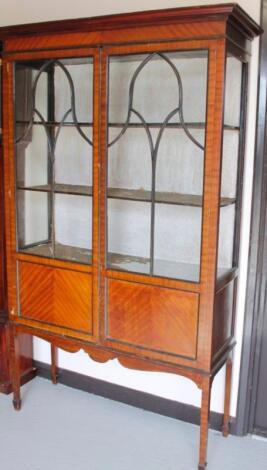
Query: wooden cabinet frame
(219, 30)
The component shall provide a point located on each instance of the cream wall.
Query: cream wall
(165, 385)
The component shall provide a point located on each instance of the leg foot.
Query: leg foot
(226, 416)
(17, 404)
(14, 366)
(204, 422)
(54, 369)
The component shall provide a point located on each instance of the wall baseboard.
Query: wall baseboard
(145, 401)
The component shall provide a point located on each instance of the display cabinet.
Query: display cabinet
(124, 146)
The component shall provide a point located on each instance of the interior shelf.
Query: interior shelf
(66, 252)
(170, 269)
(170, 125)
(129, 263)
(129, 194)
(60, 188)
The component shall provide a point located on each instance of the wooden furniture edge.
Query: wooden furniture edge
(229, 12)
(103, 354)
(26, 376)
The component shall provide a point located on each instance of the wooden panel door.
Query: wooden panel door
(53, 260)
(153, 200)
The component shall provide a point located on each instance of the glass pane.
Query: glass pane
(156, 138)
(33, 208)
(233, 87)
(73, 162)
(32, 159)
(81, 72)
(53, 128)
(73, 228)
(229, 189)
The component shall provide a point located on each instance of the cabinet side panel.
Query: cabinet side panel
(223, 315)
(56, 296)
(153, 318)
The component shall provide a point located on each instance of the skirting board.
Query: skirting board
(145, 401)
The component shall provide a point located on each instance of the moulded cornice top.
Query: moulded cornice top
(231, 13)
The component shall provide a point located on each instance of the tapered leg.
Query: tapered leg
(14, 363)
(54, 363)
(228, 381)
(204, 422)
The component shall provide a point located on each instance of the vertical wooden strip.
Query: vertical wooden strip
(211, 209)
(8, 142)
(54, 364)
(96, 191)
(103, 179)
(227, 397)
(204, 422)
(14, 366)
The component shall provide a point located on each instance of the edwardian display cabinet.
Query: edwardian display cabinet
(124, 144)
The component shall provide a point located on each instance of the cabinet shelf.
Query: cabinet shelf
(163, 268)
(134, 125)
(60, 188)
(139, 195)
(121, 262)
(65, 252)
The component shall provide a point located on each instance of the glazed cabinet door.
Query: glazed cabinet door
(153, 150)
(51, 163)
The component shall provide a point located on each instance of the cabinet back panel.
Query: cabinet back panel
(159, 319)
(56, 296)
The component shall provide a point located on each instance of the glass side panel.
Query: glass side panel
(53, 148)
(230, 161)
(156, 140)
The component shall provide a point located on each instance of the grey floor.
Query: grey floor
(60, 428)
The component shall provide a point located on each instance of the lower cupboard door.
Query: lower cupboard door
(55, 296)
(158, 319)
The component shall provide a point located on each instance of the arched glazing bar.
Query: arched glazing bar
(72, 110)
(52, 131)
(154, 147)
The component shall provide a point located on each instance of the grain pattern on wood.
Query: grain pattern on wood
(27, 371)
(153, 280)
(204, 422)
(96, 190)
(126, 359)
(15, 366)
(152, 317)
(231, 13)
(227, 397)
(216, 79)
(54, 364)
(57, 296)
(151, 34)
(52, 262)
(223, 315)
(9, 196)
